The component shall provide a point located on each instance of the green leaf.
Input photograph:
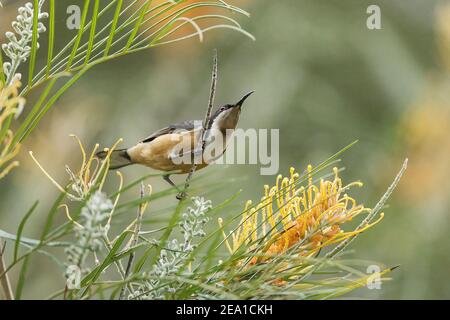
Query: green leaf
(51, 37)
(42, 74)
(162, 242)
(53, 99)
(215, 235)
(95, 274)
(137, 25)
(24, 126)
(20, 230)
(135, 183)
(50, 216)
(92, 33)
(21, 281)
(2, 74)
(34, 42)
(80, 34)
(127, 252)
(28, 242)
(5, 127)
(113, 27)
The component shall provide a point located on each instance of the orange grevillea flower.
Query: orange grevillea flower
(302, 218)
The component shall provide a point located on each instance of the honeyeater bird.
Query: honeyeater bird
(164, 149)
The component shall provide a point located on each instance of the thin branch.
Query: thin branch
(4, 280)
(137, 230)
(212, 95)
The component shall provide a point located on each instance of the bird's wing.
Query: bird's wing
(187, 125)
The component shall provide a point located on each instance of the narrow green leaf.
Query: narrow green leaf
(5, 127)
(113, 27)
(211, 252)
(162, 242)
(28, 242)
(115, 293)
(61, 52)
(174, 16)
(22, 275)
(34, 43)
(140, 263)
(20, 230)
(50, 216)
(154, 196)
(216, 234)
(23, 127)
(2, 74)
(137, 25)
(127, 252)
(52, 100)
(92, 33)
(95, 274)
(120, 27)
(136, 182)
(80, 34)
(51, 37)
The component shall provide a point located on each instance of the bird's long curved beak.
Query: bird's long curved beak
(241, 102)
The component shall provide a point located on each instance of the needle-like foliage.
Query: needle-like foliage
(285, 246)
(110, 31)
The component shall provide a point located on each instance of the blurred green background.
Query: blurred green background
(322, 78)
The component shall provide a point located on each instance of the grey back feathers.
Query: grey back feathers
(187, 125)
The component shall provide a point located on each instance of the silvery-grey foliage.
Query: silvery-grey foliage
(174, 256)
(91, 230)
(18, 48)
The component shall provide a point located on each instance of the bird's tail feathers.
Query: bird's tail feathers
(119, 158)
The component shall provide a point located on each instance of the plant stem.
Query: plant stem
(4, 280)
(135, 240)
(212, 94)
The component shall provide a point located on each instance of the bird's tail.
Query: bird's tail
(118, 158)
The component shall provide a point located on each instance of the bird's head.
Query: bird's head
(227, 116)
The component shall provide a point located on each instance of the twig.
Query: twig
(212, 95)
(6, 285)
(137, 230)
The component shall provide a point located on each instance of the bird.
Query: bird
(168, 148)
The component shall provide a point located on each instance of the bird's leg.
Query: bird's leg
(181, 194)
